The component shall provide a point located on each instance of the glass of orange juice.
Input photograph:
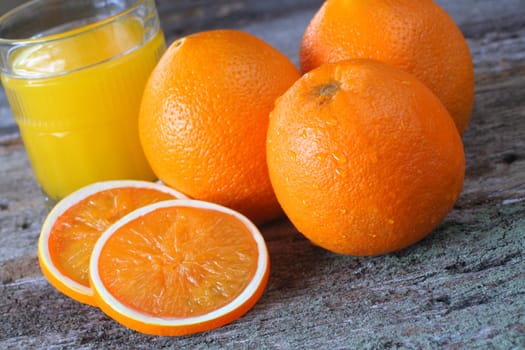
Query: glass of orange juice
(73, 73)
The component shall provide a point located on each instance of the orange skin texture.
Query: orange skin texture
(363, 157)
(416, 36)
(204, 117)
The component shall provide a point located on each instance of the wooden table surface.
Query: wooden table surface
(463, 287)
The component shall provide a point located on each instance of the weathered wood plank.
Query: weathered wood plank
(185, 17)
(461, 287)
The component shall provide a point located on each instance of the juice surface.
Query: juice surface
(79, 125)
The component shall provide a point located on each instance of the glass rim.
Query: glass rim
(62, 34)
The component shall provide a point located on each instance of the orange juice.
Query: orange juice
(76, 103)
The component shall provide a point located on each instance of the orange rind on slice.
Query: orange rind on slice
(73, 226)
(179, 267)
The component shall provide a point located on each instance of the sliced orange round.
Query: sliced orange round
(179, 267)
(73, 226)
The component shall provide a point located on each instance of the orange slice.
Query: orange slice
(179, 267)
(73, 226)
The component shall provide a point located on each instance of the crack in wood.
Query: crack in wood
(492, 262)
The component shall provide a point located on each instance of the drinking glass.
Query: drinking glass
(73, 73)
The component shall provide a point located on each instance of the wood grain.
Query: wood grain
(463, 287)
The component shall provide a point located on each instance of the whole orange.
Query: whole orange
(363, 157)
(204, 116)
(416, 36)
